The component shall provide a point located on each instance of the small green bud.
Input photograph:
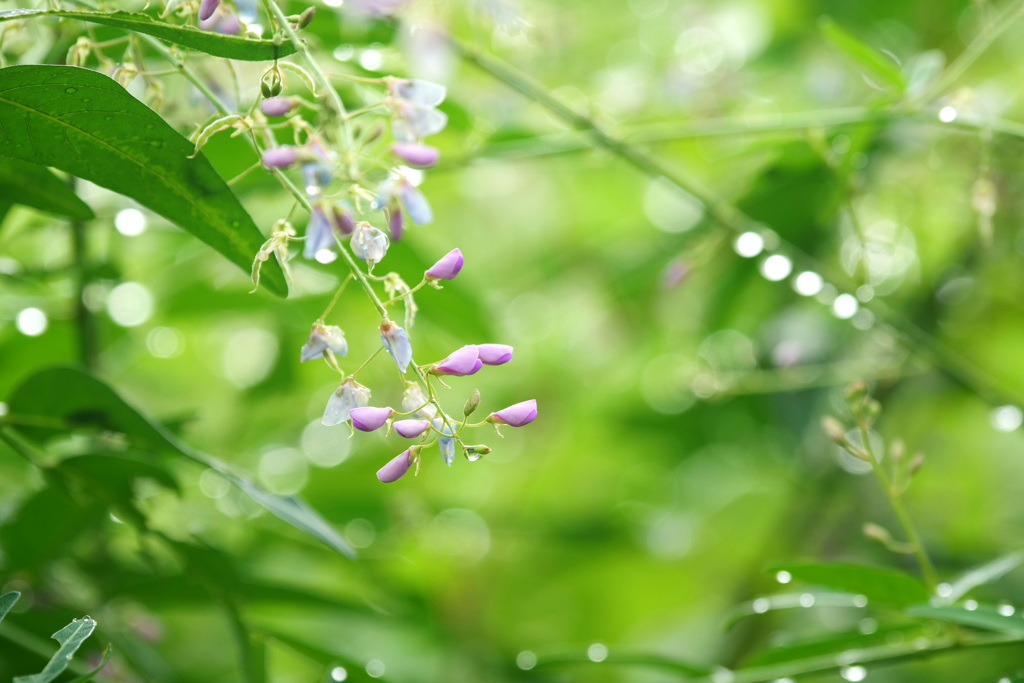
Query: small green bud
(306, 17)
(271, 85)
(474, 453)
(916, 463)
(877, 533)
(897, 450)
(471, 403)
(834, 430)
(856, 391)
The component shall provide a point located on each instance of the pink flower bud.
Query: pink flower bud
(279, 157)
(207, 8)
(410, 429)
(516, 415)
(277, 106)
(447, 267)
(494, 354)
(460, 363)
(369, 419)
(416, 153)
(396, 467)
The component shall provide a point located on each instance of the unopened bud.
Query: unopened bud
(472, 403)
(856, 391)
(916, 463)
(270, 85)
(897, 450)
(306, 17)
(834, 430)
(877, 533)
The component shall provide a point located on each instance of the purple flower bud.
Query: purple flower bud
(447, 267)
(349, 395)
(396, 342)
(517, 415)
(279, 157)
(416, 153)
(396, 223)
(277, 106)
(367, 419)
(342, 220)
(494, 354)
(369, 243)
(460, 363)
(445, 443)
(226, 25)
(318, 234)
(396, 467)
(410, 429)
(415, 204)
(207, 8)
(321, 339)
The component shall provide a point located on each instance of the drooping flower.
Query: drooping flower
(369, 243)
(318, 233)
(462, 362)
(277, 106)
(207, 8)
(410, 429)
(280, 157)
(414, 399)
(396, 467)
(416, 153)
(494, 354)
(414, 106)
(396, 342)
(342, 219)
(396, 223)
(516, 415)
(445, 443)
(415, 204)
(447, 267)
(349, 395)
(368, 419)
(323, 338)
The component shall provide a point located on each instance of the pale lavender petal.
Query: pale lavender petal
(416, 206)
(464, 361)
(277, 106)
(279, 157)
(416, 153)
(448, 266)
(494, 354)
(396, 224)
(396, 467)
(367, 419)
(207, 8)
(318, 234)
(516, 415)
(396, 342)
(349, 395)
(418, 91)
(410, 429)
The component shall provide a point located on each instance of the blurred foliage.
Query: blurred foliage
(634, 532)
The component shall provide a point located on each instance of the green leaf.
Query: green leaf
(43, 527)
(89, 676)
(833, 644)
(7, 601)
(70, 638)
(878, 65)
(25, 183)
(978, 576)
(111, 479)
(84, 123)
(57, 400)
(879, 584)
(985, 618)
(231, 47)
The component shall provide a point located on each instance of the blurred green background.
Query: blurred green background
(678, 452)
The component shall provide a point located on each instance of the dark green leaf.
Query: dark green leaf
(879, 66)
(43, 527)
(86, 124)
(985, 618)
(89, 676)
(25, 183)
(55, 400)
(70, 638)
(111, 479)
(231, 47)
(879, 584)
(7, 601)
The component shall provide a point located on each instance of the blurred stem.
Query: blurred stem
(84, 320)
(896, 499)
(18, 447)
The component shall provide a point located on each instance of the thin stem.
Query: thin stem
(16, 446)
(896, 500)
(367, 361)
(337, 295)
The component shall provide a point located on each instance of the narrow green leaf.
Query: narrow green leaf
(84, 123)
(978, 576)
(57, 400)
(878, 65)
(25, 183)
(103, 662)
(7, 601)
(985, 618)
(834, 644)
(879, 584)
(70, 638)
(216, 44)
